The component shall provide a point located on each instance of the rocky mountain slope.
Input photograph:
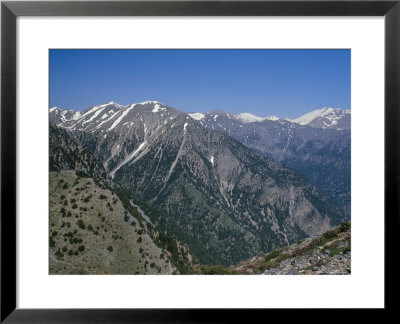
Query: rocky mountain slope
(59, 115)
(230, 201)
(326, 254)
(321, 153)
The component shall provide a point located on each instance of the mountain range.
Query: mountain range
(333, 118)
(227, 187)
(317, 144)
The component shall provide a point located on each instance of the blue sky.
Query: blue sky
(286, 83)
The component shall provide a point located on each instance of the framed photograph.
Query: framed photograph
(163, 158)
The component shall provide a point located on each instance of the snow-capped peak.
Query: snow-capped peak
(242, 117)
(310, 116)
(112, 103)
(330, 116)
(248, 118)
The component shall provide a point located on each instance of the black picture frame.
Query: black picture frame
(10, 10)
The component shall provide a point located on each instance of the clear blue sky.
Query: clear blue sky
(286, 83)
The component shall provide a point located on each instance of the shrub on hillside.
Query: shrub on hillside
(344, 227)
(81, 224)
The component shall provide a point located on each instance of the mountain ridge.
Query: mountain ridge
(315, 118)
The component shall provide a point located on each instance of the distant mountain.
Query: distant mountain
(242, 117)
(250, 118)
(322, 154)
(331, 118)
(231, 201)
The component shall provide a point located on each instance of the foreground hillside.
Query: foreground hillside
(326, 254)
(92, 233)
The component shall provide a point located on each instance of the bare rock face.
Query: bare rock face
(230, 201)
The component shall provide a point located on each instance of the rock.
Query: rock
(315, 261)
(271, 272)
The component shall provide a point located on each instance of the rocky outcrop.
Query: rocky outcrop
(327, 254)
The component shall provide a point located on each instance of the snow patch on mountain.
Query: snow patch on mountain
(107, 120)
(149, 102)
(157, 108)
(197, 116)
(248, 118)
(126, 111)
(129, 158)
(242, 117)
(96, 108)
(94, 116)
